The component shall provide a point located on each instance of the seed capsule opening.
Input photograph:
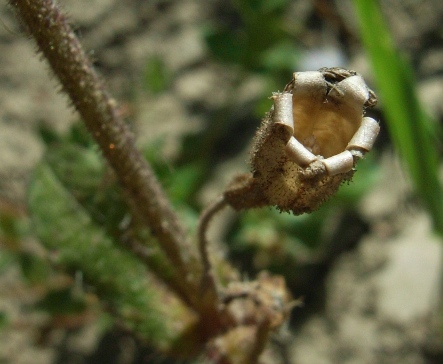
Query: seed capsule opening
(327, 112)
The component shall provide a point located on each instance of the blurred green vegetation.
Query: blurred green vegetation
(260, 42)
(156, 76)
(413, 132)
(255, 37)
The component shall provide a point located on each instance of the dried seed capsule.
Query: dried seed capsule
(310, 141)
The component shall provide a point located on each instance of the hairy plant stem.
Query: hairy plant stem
(62, 49)
(203, 224)
(208, 287)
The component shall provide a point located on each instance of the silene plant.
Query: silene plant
(157, 281)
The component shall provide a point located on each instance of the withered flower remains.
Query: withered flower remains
(309, 143)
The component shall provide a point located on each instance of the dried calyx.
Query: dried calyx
(309, 143)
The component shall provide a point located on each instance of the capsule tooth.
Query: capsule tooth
(297, 152)
(339, 163)
(365, 136)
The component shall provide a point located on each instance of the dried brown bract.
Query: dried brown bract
(251, 311)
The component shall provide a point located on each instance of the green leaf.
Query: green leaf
(82, 171)
(78, 168)
(78, 244)
(411, 130)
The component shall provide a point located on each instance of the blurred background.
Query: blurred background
(193, 79)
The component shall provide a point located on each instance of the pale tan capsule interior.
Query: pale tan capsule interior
(325, 123)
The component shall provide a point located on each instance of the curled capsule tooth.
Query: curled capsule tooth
(353, 91)
(365, 136)
(339, 163)
(298, 153)
(283, 110)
